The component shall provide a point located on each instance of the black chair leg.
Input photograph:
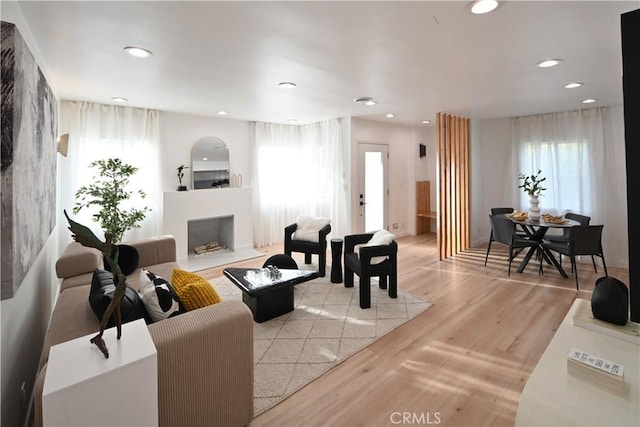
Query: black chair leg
(365, 292)
(572, 264)
(593, 260)
(307, 257)
(322, 263)
(488, 249)
(382, 282)
(510, 258)
(393, 285)
(348, 277)
(604, 265)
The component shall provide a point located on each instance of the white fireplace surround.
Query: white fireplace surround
(180, 207)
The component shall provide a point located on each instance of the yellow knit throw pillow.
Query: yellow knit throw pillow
(194, 291)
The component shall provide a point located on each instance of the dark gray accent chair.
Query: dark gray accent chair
(308, 248)
(360, 263)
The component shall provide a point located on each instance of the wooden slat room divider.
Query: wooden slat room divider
(453, 234)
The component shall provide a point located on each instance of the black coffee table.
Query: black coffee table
(267, 298)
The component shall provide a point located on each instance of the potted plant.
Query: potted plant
(532, 185)
(107, 192)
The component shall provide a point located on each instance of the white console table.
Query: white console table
(83, 388)
(553, 397)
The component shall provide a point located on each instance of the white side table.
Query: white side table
(83, 388)
(553, 397)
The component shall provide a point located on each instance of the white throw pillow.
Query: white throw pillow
(308, 227)
(380, 238)
(158, 296)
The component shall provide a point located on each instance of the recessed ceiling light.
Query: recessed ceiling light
(222, 113)
(205, 158)
(589, 101)
(390, 115)
(365, 100)
(549, 63)
(292, 121)
(138, 52)
(119, 99)
(573, 85)
(426, 122)
(478, 7)
(287, 85)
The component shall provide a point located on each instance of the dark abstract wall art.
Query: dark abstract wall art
(29, 123)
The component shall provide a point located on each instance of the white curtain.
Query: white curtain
(99, 131)
(298, 170)
(577, 154)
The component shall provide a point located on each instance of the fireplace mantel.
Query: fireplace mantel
(179, 207)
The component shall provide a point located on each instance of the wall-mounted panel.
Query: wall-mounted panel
(29, 127)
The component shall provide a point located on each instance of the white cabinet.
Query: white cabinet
(83, 388)
(553, 397)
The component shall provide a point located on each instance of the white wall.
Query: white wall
(425, 167)
(493, 181)
(491, 174)
(403, 151)
(178, 133)
(25, 317)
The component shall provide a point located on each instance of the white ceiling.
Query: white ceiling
(415, 58)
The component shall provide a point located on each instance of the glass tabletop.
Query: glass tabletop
(259, 278)
(542, 223)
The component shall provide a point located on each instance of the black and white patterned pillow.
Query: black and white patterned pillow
(158, 296)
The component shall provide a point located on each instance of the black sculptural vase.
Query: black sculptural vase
(610, 301)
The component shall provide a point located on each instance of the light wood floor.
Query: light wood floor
(463, 362)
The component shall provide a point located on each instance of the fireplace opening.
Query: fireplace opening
(210, 236)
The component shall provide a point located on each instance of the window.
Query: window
(298, 170)
(565, 165)
(101, 132)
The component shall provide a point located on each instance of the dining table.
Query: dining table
(536, 230)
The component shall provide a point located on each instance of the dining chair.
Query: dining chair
(504, 231)
(583, 240)
(497, 211)
(564, 237)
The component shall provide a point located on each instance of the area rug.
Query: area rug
(325, 328)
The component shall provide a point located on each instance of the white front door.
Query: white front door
(373, 193)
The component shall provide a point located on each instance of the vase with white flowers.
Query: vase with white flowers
(532, 185)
